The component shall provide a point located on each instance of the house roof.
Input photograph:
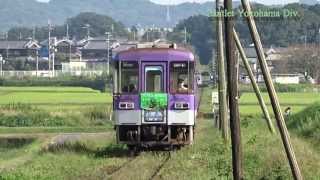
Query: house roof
(25, 44)
(95, 45)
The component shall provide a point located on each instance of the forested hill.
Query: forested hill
(278, 32)
(129, 12)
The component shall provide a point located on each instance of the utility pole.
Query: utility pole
(1, 64)
(134, 35)
(319, 43)
(185, 35)
(112, 28)
(222, 86)
(296, 173)
(53, 56)
(87, 27)
(253, 82)
(233, 93)
(49, 44)
(34, 33)
(37, 61)
(108, 52)
(67, 32)
(7, 49)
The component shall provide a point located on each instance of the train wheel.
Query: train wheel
(133, 150)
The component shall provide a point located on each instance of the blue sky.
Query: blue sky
(181, 1)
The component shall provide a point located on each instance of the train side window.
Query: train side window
(129, 77)
(181, 77)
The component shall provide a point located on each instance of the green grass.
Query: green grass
(52, 95)
(53, 106)
(297, 101)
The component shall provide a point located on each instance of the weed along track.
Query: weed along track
(157, 171)
(112, 173)
(146, 166)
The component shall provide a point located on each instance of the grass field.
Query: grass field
(53, 107)
(96, 156)
(52, 96)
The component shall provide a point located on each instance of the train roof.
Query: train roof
(155, 54)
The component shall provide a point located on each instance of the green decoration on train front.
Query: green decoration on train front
(154, 101)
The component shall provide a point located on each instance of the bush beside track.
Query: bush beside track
(307, 123)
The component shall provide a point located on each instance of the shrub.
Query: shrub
(307, 122)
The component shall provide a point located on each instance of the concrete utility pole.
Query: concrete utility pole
(49, 44)
(296, 173)
(7, 48)
(53, 57)
(87, 27)
(108, 52)
(1, 64)
(34, 33)
(185, 35)
(67, 31)
(253, 82)
(37, 63)
(233, 93)
(222, 86)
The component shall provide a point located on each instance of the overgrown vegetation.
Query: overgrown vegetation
(26, 115)
(307, 123)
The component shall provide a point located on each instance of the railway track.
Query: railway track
(157, 171)
(134, 169)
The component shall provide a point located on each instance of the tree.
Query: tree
(97, 24)
(305, 60)
(200, 34)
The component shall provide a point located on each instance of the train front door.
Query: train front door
(154, 77)
(154, 97)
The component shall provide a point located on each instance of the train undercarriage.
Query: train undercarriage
(155, 135)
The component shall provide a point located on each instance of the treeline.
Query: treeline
(282, 32)
(77, 27)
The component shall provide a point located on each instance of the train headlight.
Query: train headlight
(126, 105)
(181, 105)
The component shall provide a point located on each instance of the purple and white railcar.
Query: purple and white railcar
(155, 97)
